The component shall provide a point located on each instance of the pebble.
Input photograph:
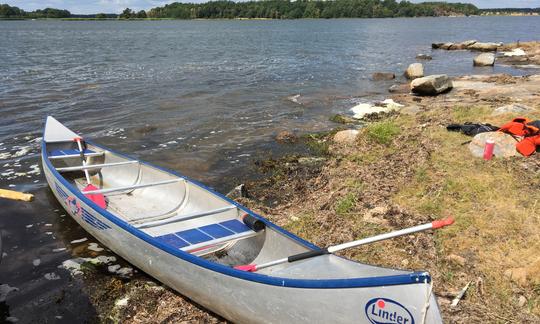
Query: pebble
(51, 276)
(12, 319)
(114, 268)
(36, 262)
(29, 225)
(59, 249)
(522, 301)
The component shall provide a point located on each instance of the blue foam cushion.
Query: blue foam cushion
(172, 240)
(235, 226)
(216, 231)
(68, 152)
(194, 236)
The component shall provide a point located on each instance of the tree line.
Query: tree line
(286, 9)
(271, 9)
(7, 11)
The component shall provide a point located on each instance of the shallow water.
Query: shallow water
(200, 97)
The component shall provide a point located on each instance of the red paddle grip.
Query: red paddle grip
(442, 223)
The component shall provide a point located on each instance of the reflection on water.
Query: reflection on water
(200, 97)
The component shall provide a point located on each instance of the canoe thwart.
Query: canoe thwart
(185, 217)
(94, 166)
(72, 153)
(138, 186)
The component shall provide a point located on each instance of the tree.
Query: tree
(126, 14)
(141, 14)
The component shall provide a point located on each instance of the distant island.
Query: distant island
(277, 9)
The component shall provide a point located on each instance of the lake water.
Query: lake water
(202, 97)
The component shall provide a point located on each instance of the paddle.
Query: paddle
(301, 256)
(98, 199)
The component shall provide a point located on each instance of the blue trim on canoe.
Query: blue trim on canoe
(401, 279)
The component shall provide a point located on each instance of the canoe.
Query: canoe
(190, 237)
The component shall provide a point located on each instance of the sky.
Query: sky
(116, 6)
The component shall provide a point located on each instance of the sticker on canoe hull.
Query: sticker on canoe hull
(74, 207)
(387, 311)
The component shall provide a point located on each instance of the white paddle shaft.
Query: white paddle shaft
(87, 175)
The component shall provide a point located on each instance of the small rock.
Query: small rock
(382, 76)
(239, 191)
(346, 136)
(456, 259)
(286, 137)
(79, 240)
(12, 319)
(505, 145)
(424, 57)
(295, 218)
(404, 262)
(431, 85)
(484, 47)
(513, 108)
(415, 70)
(51, 276)
(36, 262)
(522, 301)
(485, 59)
(399, 88)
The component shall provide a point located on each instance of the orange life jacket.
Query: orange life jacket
(528, 145)
(520, 127)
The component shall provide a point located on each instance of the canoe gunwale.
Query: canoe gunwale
(417, 277)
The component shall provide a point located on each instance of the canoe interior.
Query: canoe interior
(172, 211)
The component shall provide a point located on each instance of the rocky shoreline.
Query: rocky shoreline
(392, 167)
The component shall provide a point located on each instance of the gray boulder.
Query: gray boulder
(415, 70)
(485, 59)
(431, 85)
(484, 47)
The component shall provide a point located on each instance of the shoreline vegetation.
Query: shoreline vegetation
(276, 9)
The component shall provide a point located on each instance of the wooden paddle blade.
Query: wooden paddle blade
(98, 199)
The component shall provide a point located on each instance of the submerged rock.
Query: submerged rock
(346, 136)
(424, 57)
(505, 145)
(431, 85)
(382, 76)
(485, 59)
(286, 137)
(415, 70)
(399, 88)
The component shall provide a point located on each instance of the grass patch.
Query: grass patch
(383, 132)
(346, 204)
